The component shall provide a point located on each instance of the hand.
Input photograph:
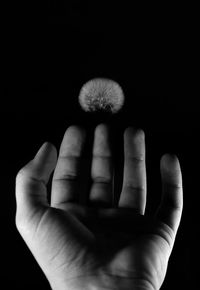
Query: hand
(94, 245)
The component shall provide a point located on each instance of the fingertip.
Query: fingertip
(46, 148)
(102, 127)
(46, 156)
(76, 130)
(169, 162)
(47, 144)
(131, 131)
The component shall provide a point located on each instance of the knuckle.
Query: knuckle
(22, 173)
(19, 222)
(23, 221)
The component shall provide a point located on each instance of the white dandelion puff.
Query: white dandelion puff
(101, 94)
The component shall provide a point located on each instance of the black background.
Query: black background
(151, 52)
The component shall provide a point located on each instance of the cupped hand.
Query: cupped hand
(94, 244)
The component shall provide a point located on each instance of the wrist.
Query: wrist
(102, 282)
(94, 284)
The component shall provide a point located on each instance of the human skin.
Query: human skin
(93, 244)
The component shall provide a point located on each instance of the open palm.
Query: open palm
(86, 243)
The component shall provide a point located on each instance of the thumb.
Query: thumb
(31, 180)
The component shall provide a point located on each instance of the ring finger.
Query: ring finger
(134, 180)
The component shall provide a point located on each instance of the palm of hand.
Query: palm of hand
(117, 243)
(121, 244)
